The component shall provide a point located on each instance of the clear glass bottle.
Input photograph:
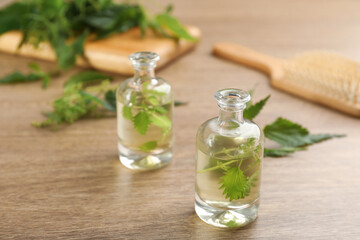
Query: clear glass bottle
(144, 116)
(228, 164)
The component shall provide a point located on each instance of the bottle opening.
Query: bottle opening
(144, 59)
(232, 97)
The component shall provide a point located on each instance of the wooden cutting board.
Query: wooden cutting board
(110, 54)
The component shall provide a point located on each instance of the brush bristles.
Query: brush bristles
(326, 73)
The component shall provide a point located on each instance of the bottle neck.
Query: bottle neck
(230, 118)
(143, 75)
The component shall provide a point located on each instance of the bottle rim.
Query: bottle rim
(232, 97)
(144, 59)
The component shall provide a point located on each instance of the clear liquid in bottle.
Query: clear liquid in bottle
(144, 116)
(228, 164)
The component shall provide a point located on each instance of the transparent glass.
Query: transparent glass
(229, 152)
(144, 116)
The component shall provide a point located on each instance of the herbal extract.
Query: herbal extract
(144, 116)
(228, 164)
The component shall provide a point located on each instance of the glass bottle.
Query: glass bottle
(228, 164)
(144, 116)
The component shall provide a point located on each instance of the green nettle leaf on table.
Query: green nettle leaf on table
(179, 103)
(36, 74)
(87, 77)
(281, 152)
(17, 77)
(292, 137)
(78, 101)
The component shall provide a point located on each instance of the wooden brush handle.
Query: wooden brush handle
(250, 58)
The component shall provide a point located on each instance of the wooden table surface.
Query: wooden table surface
(70, 184)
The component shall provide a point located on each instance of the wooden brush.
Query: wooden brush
(321, 77)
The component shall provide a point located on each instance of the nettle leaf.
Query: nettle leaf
(87, 77)
(35, 75)
(110, 98)
(233, 224)
(67, 53)
(127, 112)
(142, 122)
(235, 184)
(253, 110)
(148, 146)
(67, 109)
(93, 98)
(67, 24)
(44, 76)
(10, 17)
(18, 77)
(180, 103)
(114, 19)
(34, 66)
(154, 101)
(160, 110)
(171, 23)
(281, 152)
(290, 134)
(46, 81)
(160, 121)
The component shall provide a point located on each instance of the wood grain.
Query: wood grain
(109, 54)
(70, 185)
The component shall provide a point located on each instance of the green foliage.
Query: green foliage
(235, 184)
(235, 181)
(10, 17)
(252, 111)
(172, 24)
(35, 75)
(70, 107)
(148, 111)
(290, 134)
(148, 146)
(113, 18)
(77, 102)
(232, 224)
(98, 100)
(142, 122)
(161, 121)
(67, 53)
(17, 77)
(86, 77)
(127, 113)
(281, 152)
(179, 103)
(110, 98)
(66, 25)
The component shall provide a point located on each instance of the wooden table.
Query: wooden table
(70, 184)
